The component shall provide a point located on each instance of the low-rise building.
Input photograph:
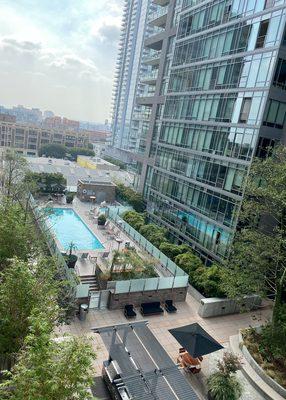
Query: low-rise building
(98, 191)
(96, 163)
(27, 139)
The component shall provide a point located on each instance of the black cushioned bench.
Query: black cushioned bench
(129, 311)
(151, 308)
(169, 306)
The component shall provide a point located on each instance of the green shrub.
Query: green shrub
(131, 197)
(154, 234)
(189, 263)
(223, 384)
(101, 220)
(134, 219)
(112, 160)
(172, 250)
(69, 197)
(209, 281)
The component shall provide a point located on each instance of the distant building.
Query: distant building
(48, 114)
(7, 118)
(23, 114)
(59, 122)
(99, 136)
(27, 139)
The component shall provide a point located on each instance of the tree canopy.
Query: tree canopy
(60, 151)
(258, 259)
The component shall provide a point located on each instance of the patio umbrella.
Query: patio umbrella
(195, 340)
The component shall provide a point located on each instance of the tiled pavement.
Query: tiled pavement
(221, 328)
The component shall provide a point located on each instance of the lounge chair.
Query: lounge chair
(169, 306)
(151, 308)
(129, 311)
(105, 254)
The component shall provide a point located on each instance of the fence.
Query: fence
(50, 240)
(178, 278)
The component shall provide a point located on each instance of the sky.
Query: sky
(59, 55)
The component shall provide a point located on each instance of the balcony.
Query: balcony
(161, 2)
(152, 58)
(150, 78)
(159, 17)
(155, 41)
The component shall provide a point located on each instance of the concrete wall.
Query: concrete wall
(266, 378)
(214, 307)
(117, 301)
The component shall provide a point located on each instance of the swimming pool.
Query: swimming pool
(69, 227)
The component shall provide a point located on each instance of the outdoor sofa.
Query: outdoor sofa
(151, 308)
(169, 306)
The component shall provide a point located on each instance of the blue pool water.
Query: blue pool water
(69, 227)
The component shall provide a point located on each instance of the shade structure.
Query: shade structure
(195, 340)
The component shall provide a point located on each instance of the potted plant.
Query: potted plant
(101, 220)
(69, 198)
(223, 384)
(71, 258)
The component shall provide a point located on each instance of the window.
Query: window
(245, 108)
(275, 114)
(280, 74)
(262, 34)
(268, 4)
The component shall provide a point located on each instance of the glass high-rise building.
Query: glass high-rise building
(219, 100)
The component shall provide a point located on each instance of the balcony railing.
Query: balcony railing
(157, 14)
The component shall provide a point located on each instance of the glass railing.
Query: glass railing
(150, 75)
(168, 264)
(158, 13)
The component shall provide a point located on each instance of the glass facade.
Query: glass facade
(220, 109)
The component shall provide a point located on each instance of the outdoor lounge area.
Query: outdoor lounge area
(138, 367)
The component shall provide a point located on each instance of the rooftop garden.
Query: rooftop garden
(128, 264)
(208, 280)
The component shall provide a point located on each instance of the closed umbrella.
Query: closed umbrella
(195, 340)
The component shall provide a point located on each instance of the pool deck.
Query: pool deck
(87, 267)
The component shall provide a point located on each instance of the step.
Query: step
(254, 379)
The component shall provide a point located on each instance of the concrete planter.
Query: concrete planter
(214, 307)
(266, 378)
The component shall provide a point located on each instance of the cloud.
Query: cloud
(62, 53)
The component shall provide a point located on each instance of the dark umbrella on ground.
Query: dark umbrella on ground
(195, 340)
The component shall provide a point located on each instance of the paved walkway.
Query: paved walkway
(221, 328)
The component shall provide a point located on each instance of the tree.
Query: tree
(73, 152)
(47, 182)
(129, 195)
(12, 176)
(208, 280)
(23, 288)
(53, 150)
(134, 219)
(154, 234)
(17, 233)
(172, 250)
(48, 369)
(258, 260)
(189, 263)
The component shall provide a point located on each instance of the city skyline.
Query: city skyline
(60, 56)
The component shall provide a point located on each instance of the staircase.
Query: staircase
(90, 280)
